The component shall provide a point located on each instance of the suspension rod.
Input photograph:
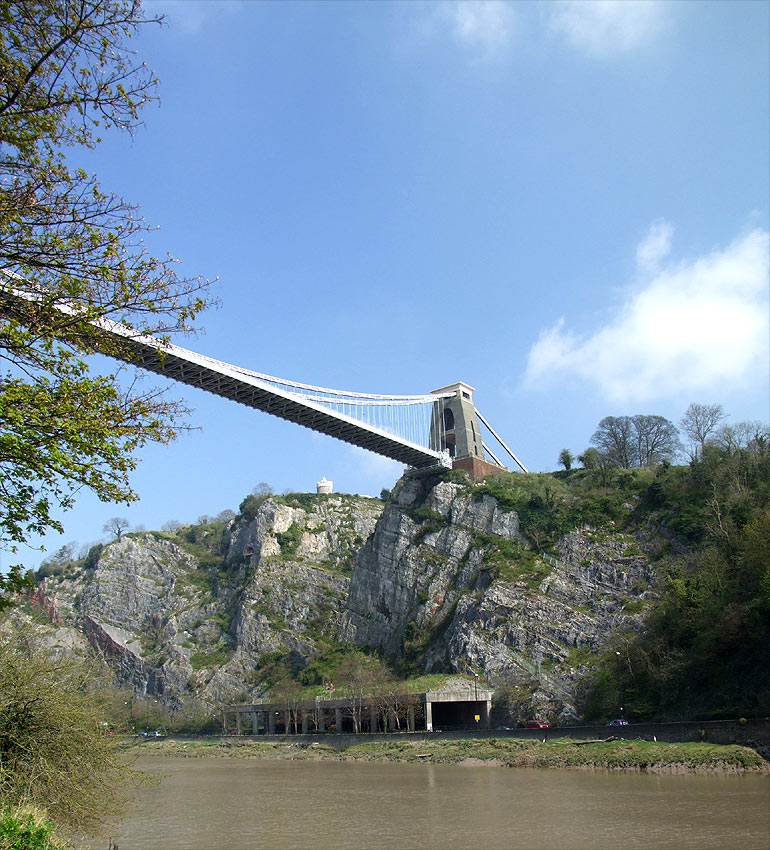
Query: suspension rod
(499, 440)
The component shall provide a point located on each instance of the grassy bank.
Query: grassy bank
(507, 752)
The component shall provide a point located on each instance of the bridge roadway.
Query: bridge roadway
(224, 379)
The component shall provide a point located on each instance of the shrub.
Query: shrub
(51, 751)
(289, 540)
(251, 504)
(25, 828)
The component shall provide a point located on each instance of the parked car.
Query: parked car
(620, 721)
(537, 724)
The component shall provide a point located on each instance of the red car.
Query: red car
(537, 724)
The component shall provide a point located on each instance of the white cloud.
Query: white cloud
(486, 26)
(482, 29)
(691, 327)
(608, 27)
(655, 246)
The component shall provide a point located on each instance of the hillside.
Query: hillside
(570, 593)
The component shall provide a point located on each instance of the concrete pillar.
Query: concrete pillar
(338, 719)
(488, 712)
(410, 718)
(238, 723)
(271, 722)
(254, 723)
(304, 721)
(428, 716)
(321, 719)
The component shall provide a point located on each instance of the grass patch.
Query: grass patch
(509, 560)
(213, 658)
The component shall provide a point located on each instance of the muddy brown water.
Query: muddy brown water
(210, 803)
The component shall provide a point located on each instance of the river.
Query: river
(208, 804)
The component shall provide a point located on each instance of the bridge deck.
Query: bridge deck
(180, 364)
(223, 379)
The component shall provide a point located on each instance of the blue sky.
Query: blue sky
(564, 205)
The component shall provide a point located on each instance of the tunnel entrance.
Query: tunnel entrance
(460, 715)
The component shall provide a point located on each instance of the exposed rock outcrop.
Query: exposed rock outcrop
(439, 579)
(448, 580)
(191, 613)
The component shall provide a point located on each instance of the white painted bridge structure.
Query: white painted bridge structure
(417, 430)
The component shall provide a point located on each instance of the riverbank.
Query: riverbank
(617, 754)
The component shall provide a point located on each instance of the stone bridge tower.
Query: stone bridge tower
(460, 435)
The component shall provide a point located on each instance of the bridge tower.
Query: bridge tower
(456, 429)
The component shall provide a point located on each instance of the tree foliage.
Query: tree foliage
(698, 422)
(361, 677)
(53, 753)
(705, 650)
(116, 526)
(566, 458)
(77, 255)
(641, 440)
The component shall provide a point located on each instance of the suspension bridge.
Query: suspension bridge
(437, 429)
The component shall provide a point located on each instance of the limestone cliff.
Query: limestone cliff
(448, 582)
(441, 578)
(190, 613)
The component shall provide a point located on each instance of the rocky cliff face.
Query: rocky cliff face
(439, 579)
(191, 613)
(448, 582)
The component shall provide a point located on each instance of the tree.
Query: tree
(14, 582)
(590, 458)
(614, 440)
(52, 752)
(360, 679)
(64, 555)
(566, 458)
(640, 440)
(291, 695)
(251, 504)
(743, 435)
(71, 255)
(698, 422)
(393, 701)
(116, 526)
(656, 438)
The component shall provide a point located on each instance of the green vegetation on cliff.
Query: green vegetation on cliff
(705, 649)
